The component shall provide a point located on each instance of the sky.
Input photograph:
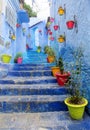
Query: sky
(40, 6)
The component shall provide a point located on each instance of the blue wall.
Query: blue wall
(81, 9)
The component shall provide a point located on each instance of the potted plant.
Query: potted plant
(62, 77)
(39, 49)
(18, 58)
(46, 49)
(51, 55)
(76, 102)
(55, 69)
(5, 58)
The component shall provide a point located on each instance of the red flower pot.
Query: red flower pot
(70, 24)
(50, 33)
(56, 27)
(62, 78)
(17, 25)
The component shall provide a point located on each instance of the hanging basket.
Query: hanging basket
(60, 11)
(70, 24)
(56, 27)
(61, 38)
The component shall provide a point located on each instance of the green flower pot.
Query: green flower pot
(76, 111)
(6, 58)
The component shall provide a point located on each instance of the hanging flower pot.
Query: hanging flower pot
(70, 24)
(60, 11)
(61, 38)
(23, 30)
(51, 38)
(17, 25)
(56, 27)
(13, 37)
(51, 20)
(50, 33)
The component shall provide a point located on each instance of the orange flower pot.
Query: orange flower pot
(55, 70)
(50, 59)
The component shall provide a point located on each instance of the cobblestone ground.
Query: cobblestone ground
(42, 121)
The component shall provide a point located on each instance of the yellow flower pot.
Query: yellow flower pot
(6, 58)
(60, 11)
(61, 39)
(76, 111)
(13, 37)
(55, 70)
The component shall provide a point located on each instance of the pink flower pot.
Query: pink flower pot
(19, 60)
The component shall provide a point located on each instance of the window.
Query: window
(11, 16)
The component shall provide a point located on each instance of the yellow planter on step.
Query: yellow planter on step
(6, 58)
(76, 111)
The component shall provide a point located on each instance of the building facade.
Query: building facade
(63, 12)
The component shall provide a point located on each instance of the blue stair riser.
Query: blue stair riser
(28, 82)
(25, 74)
(31, 106)
(15, 92)
(29, 68)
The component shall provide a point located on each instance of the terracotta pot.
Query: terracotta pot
(62, 78)
(55, 70)
(70, 24)
(56, 27)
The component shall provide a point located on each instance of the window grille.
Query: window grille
(11, 16)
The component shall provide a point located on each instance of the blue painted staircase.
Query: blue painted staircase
(30, 87)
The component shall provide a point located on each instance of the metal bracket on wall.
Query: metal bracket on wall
(65, 38)
(76, 25)
(65, 11)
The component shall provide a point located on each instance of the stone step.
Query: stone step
(42, 121)
(40, 103)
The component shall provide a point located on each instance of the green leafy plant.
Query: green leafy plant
(60, 64)
(75, 80)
